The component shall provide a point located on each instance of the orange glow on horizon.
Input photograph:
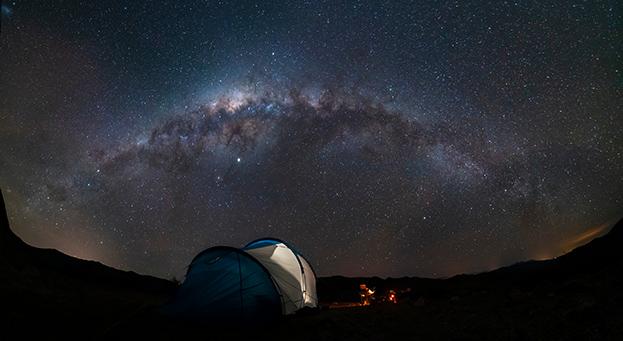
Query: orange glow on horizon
(585, 237)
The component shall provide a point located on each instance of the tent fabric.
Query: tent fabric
(224, 283)
(309, 294)
(291, 272)
(285, 269)
(263, 280)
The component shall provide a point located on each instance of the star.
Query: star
(417, 129)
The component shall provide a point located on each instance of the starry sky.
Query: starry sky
(387, 138)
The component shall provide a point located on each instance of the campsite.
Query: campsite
(575, 295)
(311, 170)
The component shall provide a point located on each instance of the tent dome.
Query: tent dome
(291, 272)
(265, 279)
(224, 283)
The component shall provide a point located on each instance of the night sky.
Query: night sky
(379, 137)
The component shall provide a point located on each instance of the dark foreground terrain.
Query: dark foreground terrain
(575, 296)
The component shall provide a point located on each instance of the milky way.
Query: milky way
(379, 140)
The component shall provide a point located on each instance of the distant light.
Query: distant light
(238, 159)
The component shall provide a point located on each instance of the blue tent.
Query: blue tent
(224, 283)
(260, 282)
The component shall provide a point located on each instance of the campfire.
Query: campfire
(366, 294)
(391, 296)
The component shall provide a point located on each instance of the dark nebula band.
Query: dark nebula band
(381, 138)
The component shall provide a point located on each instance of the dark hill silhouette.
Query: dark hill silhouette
(18, 255)
(577, 295)
(54, 290)
(574, 296)
(601, 253)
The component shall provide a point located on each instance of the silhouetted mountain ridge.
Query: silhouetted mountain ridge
(18, 255)
(576, 295)
(602, 252)
(54, 289)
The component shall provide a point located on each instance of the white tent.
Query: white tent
(292, 274)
